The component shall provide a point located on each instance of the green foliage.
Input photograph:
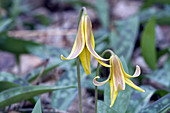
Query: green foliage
(16, 46)
(140, 100)
(160, 106)
(161, 76)
(162, 15)
(124, 40)
(19, 94)
(62, 99)
(7, 85)
(148, 3)
(102, 9)
(37, 107)
(104, 108)
(148, 46)
(4, 24)
(5, 76)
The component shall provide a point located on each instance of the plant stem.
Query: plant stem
(97, 73)
(79, 84)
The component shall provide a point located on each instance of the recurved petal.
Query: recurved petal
(96, 83)
(89, 39)
(114, 95)
(85, 57)
(130, 83)
(136, 74)
(78, 44)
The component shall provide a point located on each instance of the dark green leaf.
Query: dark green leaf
(139, 99)
(7, 85)
(148, 3)
(160, 106)
(16, 46)
(37, 107)
(162, 52)
(148, 47)
(19, 94)
(123, 42)
(102, 9)
(104, 108)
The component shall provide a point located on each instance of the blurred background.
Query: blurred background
(34, 33)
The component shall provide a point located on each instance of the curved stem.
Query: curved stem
(97, 73)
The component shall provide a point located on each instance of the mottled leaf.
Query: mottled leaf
(160, 106)
(161, 76)
(148, 46)
(5, 76)
(104, 108)
(124, 40)
(140, 100)
(19, 94)
(162, 15)
(37, 107)
(60, 99)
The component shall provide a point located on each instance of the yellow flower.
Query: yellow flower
(84, 45)
(118, 77)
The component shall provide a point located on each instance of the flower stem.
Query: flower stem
(79, 84)
(97, 73)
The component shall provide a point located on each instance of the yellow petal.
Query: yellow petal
(130, 83)
(85, 57)
(104, 64)
(96, 83)
(89, 40)
(136, 74)
(78, 44)
(117, 74)
(114, 95)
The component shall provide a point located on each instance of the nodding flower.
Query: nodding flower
(84, 45)
(117, 78)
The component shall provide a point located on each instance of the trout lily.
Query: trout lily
(84, 45)
(117, 79)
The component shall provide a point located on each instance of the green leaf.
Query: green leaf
(161, 76)
(139, 99)
(160, 106)
(16, 46)
(7, 85)
(19, 94)
(5, 76)
(102, 9)
(148, 47)
(37, 107)
(162, 52)
(124, 40)
(148, 3)
(104, 108)
(63, 98)
(162, 15)
(4, 24)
